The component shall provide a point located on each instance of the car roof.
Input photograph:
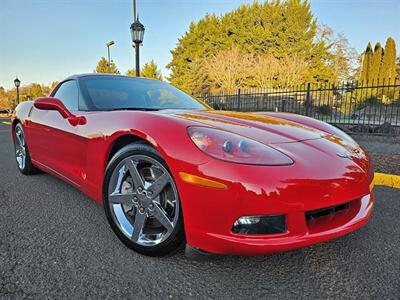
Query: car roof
(78, 76)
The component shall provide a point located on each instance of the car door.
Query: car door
(54, 140)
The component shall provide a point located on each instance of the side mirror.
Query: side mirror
(50, 103)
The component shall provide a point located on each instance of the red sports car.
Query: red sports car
(169, 169)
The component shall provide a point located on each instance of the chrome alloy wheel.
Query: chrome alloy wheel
(20, 147)
(143, 200)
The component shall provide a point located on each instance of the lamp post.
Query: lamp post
(137, 32)
(109, 44)
(17, 83)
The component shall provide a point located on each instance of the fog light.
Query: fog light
(260, 224)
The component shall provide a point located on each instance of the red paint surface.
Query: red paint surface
(79, 153)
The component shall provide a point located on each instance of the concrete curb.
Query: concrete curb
(389, 180)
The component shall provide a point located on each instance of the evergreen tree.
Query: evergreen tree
(280, 28)
(102, 67)
(366, 64)
(131, 72)
(388, 71)
(150, 70)
(202, 40)
(388, 68)
(376, 63)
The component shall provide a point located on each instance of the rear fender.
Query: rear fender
(21, 115)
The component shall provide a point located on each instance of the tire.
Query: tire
(22, 155)
(143, 210)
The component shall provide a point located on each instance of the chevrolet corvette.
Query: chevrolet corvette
(170, 171)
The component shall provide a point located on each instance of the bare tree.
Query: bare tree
(344, 58)
(231, 69)
(265, 71)
(228, 69)
(293, 70)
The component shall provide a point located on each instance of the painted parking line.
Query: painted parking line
(6, 122)
(389, 180)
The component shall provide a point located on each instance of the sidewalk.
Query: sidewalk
(384, 151)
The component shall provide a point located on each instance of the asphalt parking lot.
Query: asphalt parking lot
(56, 243)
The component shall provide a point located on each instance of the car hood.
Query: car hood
(302, 143)
(265, 129)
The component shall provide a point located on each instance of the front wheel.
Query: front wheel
(141, 201)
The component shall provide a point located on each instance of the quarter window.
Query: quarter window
(68, 94)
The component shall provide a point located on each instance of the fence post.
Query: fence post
(238, 96)
(308, 100)
(283, 105)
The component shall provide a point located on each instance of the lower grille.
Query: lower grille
(315, 214)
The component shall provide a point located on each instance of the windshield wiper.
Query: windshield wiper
(133, 108)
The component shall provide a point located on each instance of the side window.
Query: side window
(68, 94)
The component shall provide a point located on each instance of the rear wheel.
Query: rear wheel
(22, 155)
(141, 201)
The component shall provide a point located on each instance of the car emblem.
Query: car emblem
(344, 155)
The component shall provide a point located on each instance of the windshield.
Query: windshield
(113, 93)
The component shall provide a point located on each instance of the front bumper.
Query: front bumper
(299, 234)
(291, 190)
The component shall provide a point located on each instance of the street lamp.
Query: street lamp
(137, 32)
(17, 83)
(109, 44)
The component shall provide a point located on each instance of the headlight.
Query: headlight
(231, 147)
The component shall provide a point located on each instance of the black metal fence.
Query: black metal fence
(372, 108)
